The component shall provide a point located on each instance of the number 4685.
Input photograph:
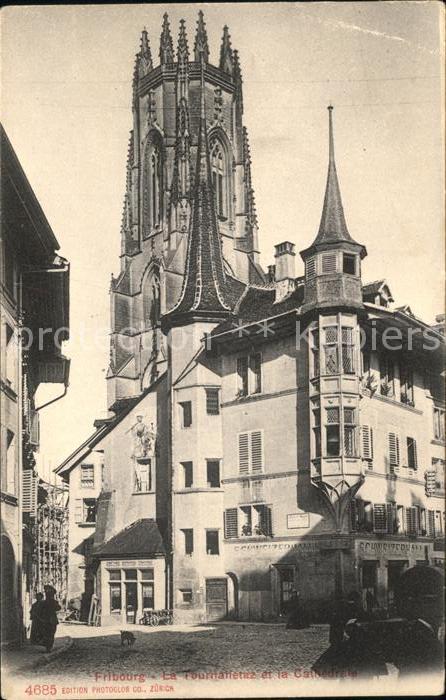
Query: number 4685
(41, 690)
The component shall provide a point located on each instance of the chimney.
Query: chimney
(271, 274)
(285, 264)
(285, 273)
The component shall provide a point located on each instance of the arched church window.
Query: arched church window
(219, 177)
(152, 188)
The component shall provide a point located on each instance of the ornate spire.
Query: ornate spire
(238, 81)
(249, 192)
(333, 227)
(183, 49)
(145, 55)
(226, 56)
(166, 43)
(204, 281)
(201, 46)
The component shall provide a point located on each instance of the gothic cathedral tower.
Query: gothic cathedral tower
(161, 163)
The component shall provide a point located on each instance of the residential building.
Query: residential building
(34, 296)
(282, 442)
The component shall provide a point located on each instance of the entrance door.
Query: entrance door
(131, 601)
(287, 586)
(216, 599)
(394, 571)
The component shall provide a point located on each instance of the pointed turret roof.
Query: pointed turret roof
(166, 42)
(205, 282)
(226, 56)
(201, 46)
(333, 227)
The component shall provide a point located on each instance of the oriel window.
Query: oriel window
(331, 350)
(332, 432)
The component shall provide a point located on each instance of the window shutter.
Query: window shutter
(311, 267)
(380, 518)
(29, 492)
(414, 454)
(266, 521)
(411, 520)
(256, 451)
(394, 451)
(243, 453)
(391, 518)
(230, 522)
(329, 262)
(78, 510)
(367, 444)
(431, 523)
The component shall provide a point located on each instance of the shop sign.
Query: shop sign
(373, 549)
(298, 520)
(126, 563)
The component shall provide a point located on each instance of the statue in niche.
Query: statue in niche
(144, 435)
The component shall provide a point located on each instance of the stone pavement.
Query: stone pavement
(29, 656)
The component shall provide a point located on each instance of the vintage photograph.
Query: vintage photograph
(222, 350)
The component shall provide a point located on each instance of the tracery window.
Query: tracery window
(152, 188)
(219, 177)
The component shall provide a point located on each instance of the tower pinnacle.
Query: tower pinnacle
(166, 43)
(226, 56)
(183, 49)
(201, 45)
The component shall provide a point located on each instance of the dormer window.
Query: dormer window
(349, 264)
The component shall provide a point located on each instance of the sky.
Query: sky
(66, 106)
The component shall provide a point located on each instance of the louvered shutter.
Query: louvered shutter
(256, 451)
(243, 453)
(411, 520)
(431, 523)
(394, 451)
(230, 522)
(329, 262)
(29, 492)
(380, 518)
(391, 518)
(266, 521)
(367, 444)
(310, 266)
(78, 510)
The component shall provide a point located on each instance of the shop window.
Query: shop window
(212, 546)
(250, 452)
(212, 402)
(186, 414)
(439, 423)
(188, 474)
(115, 598)
(411, 453)
(387, 376)
(87, 476)
(349, 264)
(213, 473)
(147, 595)
(188, 541)
(332, 429)
(186, 595)
(143, 476)
(406, 385)
(249, 374)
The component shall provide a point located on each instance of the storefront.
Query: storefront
(129, 583)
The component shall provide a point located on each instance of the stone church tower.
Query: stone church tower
(161, 163)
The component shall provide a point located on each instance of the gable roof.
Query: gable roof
(142, 538)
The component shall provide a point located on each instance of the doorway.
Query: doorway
(394, 571)
(131, 601)
(216, 599)
(286, 587)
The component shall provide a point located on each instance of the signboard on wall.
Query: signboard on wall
(296, 521)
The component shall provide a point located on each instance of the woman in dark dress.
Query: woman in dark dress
(48, 618)
(35, 619)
